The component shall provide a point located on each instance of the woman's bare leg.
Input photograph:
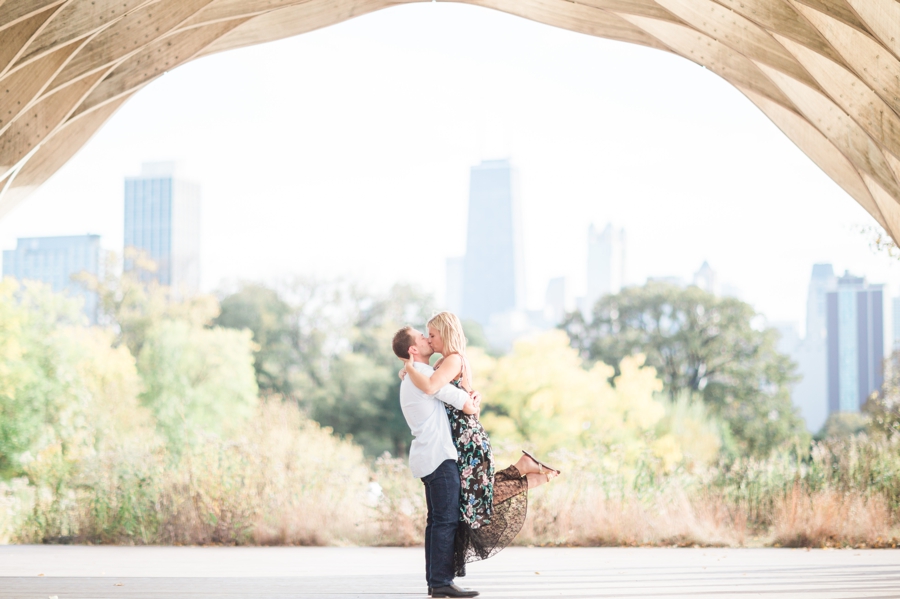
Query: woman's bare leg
(536, 480)
(526, 466)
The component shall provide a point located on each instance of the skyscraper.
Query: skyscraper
(162, 218)
(555, 300)
(895, 321)
(855, 321)
(707, 279)
(453, 295)
(605, 263)
(811, 392)
(493, 277)
(53, 260)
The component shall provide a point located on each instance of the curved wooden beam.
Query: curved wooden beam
(826, 72)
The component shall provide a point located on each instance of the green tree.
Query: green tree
(327, 346)
(264, 313)
(362, 396)
(703, 344)
(65, 392)
(540, 396)
(197, 380)
(132, 302)
(883, 407)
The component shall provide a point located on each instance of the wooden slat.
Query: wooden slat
(151, 62)
(293, 20)
(780, 17)
(739, 34)
(128, 35)
(13, 11)
(78, 20)
(873, 63)
(54, 153)
(17, 37)
(840, 129)
(821, 151)
(855, 97)
(717, 57)
(882, 17)
(41, 119)
(837, 9)
(888, 206)
(583, 18)
(20, 88)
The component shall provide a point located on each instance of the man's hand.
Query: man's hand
(476, 401)
(473, 404)
(407, 365)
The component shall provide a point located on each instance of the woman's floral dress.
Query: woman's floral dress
(492, 505)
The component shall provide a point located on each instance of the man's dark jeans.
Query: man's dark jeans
(442, 499)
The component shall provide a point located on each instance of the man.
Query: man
(432, 457)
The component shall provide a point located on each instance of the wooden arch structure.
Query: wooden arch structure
(826, 72)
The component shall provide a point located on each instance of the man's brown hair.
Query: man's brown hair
(403, 340)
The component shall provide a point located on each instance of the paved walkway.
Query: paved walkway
(67, 572)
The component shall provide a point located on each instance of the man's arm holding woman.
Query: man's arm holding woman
(450, 368)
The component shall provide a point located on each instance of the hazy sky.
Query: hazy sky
(346, 151)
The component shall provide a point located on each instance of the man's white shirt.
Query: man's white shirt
(428, 422)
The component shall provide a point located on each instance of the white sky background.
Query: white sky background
(346, 152)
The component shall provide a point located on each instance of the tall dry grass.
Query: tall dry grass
(845, 493)
(288, 481)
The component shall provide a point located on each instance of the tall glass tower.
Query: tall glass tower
(856, 342)
(493, 277)
(605, 263)
(162, 218)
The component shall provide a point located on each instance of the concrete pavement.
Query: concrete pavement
(76, 572)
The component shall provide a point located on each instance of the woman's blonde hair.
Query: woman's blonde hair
(451, 330)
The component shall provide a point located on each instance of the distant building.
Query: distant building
(555, 300)
(810, 394)
(605, 263)
(856, 342)
(54, 260)
(895, 313)
(454, 290)
(162, 218)
(788, 337)
(707, 279)
(493, 279)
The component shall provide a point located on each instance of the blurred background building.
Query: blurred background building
(810, 353)
(493, 269)
(162, 218)
(487, 285)
(605, 263)
(841, 359)
(54, 261)
(856, 351)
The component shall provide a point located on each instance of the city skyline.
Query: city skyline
(54, 261)
(292, 195)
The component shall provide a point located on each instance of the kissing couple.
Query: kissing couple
(473, 511)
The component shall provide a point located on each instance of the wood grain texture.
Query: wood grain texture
(826, 72)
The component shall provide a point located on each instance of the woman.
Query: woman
(492, 505)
